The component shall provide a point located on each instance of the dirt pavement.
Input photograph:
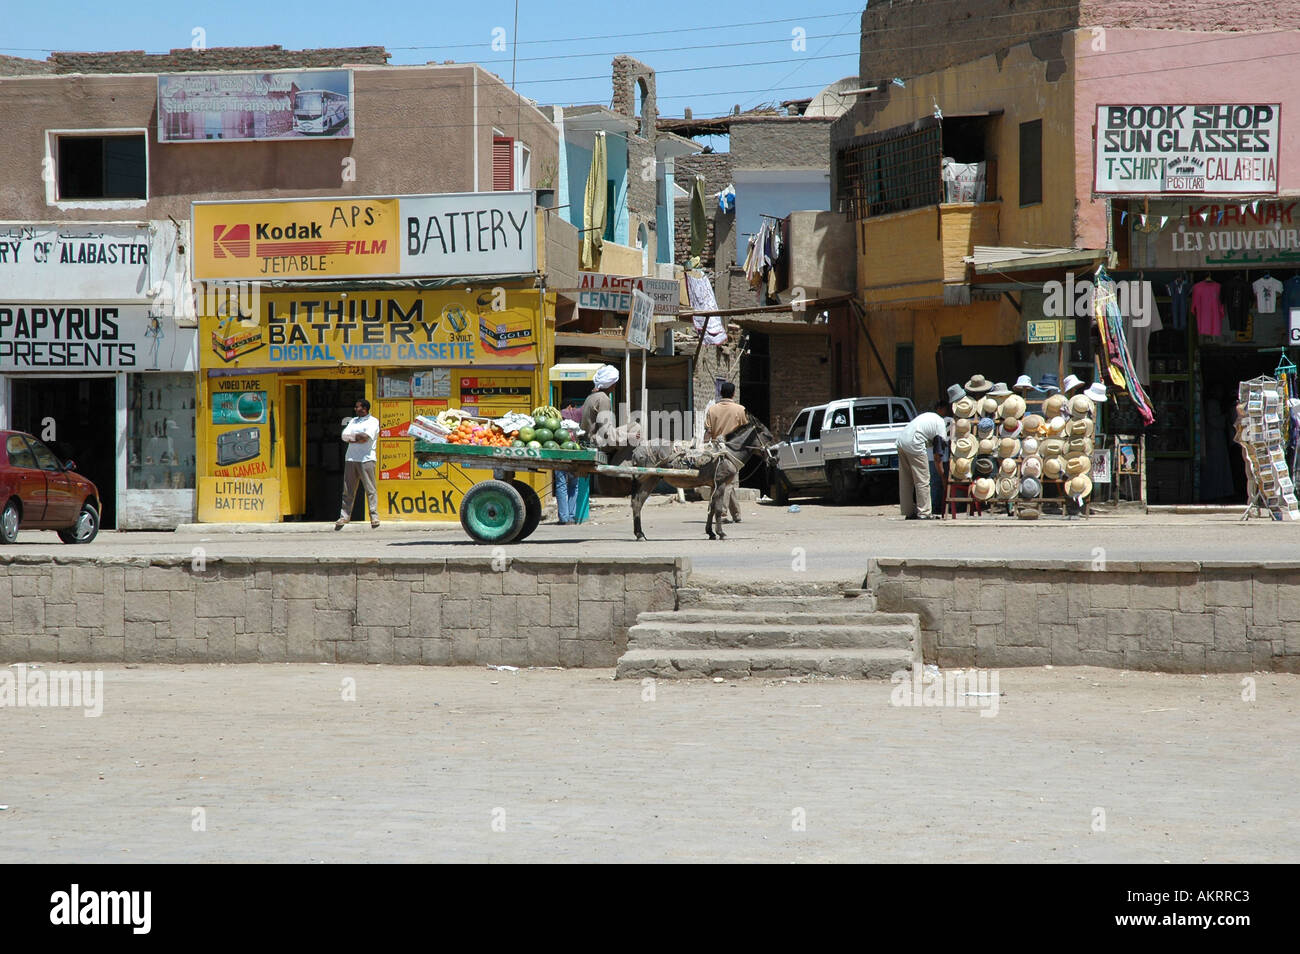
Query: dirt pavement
(577, 767)
(820, 542)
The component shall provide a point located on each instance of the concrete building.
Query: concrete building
(1013, 98)
(89, 169)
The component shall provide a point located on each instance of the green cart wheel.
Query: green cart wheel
(493, 511)
(532, 508)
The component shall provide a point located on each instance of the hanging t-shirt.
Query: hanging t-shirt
(1267, 290)
(1138, 329)
(1207, 307)
(1180, 296)
(1236, 303)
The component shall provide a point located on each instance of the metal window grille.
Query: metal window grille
(893, 171)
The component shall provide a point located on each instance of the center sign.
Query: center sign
(472, 233)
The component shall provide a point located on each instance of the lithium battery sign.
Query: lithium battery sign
(1223, 149)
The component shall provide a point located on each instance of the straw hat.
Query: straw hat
(1000, 390)
(1033, 423)
(984, 466)
(1008, 447)
(1008, 487)
(989, 407)
(1010, 428)
(1081, 406)
(987, 447)
(1030, 488)
(1054, 406)
(960, 468)
(964, 407)
(1080, 427)
(1032, 467)
(965, 447)
(1051, 447)
(1014, 406)
(1029, 446)
(1096, 392)
(1079, 486)
(983, 488)
(961, 427)
(1056, 427)
(1079, 445)
(1074, 466)
(955, 393)
(1053, 468)
(978, 385)
(1071, 384)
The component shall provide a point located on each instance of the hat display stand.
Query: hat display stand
(958, 492)
(1261, 412)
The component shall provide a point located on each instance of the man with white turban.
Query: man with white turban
(598, 410)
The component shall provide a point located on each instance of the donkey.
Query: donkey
(717, 466)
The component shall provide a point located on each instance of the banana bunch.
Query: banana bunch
(546, 411)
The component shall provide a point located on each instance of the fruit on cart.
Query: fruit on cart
(526, 434)
(517, 443)
(550, 445)
(543, 434)
(570, 446)
(535, 445)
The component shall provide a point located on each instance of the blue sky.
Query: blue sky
(564, 50)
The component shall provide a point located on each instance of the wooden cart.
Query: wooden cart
(507, 510)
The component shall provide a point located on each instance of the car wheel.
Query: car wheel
(843, 491)
(85, 529)
(10, 520)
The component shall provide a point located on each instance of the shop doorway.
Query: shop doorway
(328, 403)
(1223, 471)
(83, 415)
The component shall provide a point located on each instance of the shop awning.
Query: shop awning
(991, 259)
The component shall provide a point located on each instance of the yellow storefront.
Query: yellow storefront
(282, 365)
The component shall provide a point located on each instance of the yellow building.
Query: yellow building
(282, 364)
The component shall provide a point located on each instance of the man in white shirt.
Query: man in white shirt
(914, 462)
(359, 435)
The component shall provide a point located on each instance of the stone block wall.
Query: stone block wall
(518, 612)
(1171, 617)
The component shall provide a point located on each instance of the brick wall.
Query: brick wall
(1173, 617)
(18, 66)
(217, 58)
(405, 611)
(716, 169)
(906, 38)
(801, 376)
(781, 142)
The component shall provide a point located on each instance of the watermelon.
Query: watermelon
(543, 434)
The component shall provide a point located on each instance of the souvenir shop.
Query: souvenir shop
(1214, 284)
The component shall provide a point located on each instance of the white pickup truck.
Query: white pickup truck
(840, 447)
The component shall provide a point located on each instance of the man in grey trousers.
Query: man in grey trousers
(359, 466)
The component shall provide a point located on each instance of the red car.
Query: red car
(40, 492)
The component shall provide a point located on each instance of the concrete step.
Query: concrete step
(762, 663)
(836, 615)
(790, 601)
(716, 635)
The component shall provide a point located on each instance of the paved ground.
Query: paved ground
(578, 767)
(832, 543)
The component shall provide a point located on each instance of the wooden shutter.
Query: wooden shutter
(503, 164)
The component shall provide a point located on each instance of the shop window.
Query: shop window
(102, 167)
(161, 418)
(1031, 162)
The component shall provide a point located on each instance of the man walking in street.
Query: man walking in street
(720, 420)
(359, 466)
(914, 445)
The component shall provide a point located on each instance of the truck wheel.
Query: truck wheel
(843, 490)
(780, 490)
(493, 512)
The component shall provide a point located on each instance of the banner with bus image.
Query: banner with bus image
(255, 106)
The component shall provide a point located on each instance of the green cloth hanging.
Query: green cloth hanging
(583, 509)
